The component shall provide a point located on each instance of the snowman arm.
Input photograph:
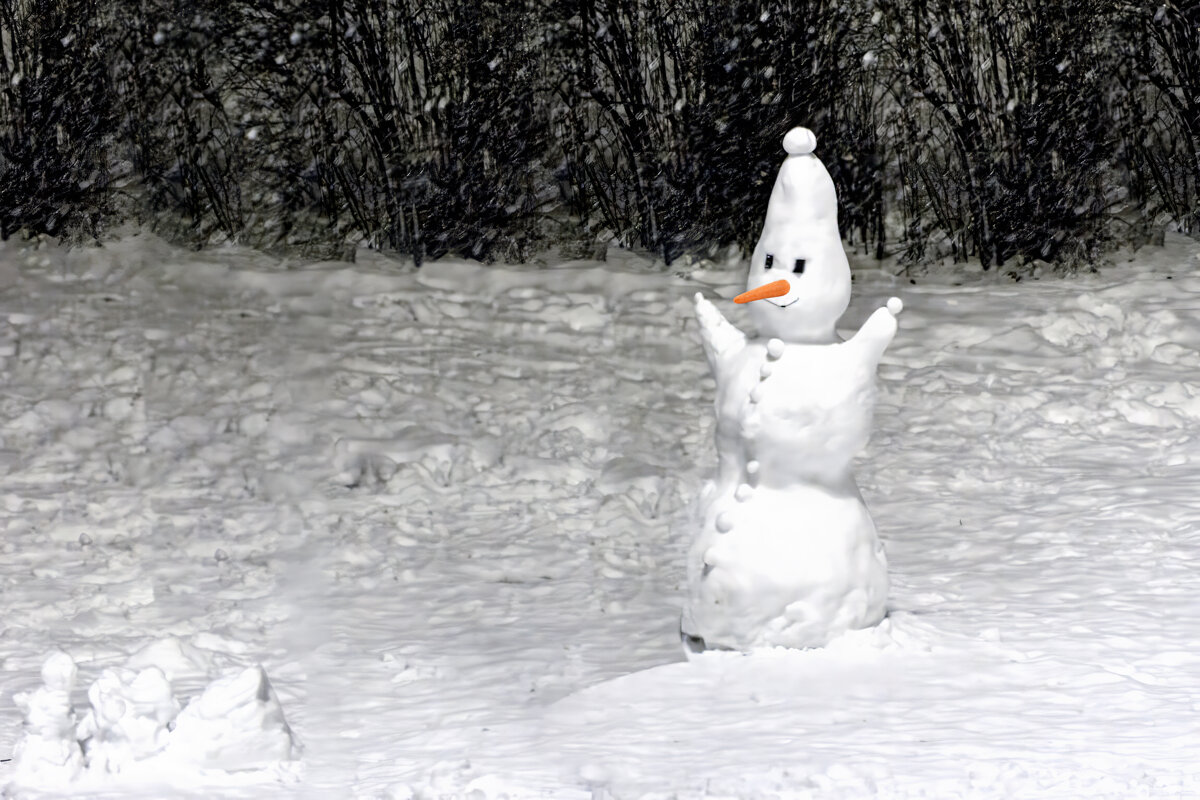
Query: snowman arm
(721, 339)
(877, 332)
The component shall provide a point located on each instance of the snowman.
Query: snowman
(48, 750)
(785, 552)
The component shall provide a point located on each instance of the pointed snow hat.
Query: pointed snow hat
(804, 193)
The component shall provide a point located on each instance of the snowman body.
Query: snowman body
(785, 552)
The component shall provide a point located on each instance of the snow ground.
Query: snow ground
(446, 510)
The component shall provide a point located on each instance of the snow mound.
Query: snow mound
(129, 718)
(135, 727)
(236, 724)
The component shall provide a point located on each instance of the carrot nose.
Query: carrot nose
(776, 289)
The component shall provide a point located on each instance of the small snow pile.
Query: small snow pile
(236, 724)
(129, 718)
(135, 727)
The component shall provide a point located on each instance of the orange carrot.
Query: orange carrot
(776, 289)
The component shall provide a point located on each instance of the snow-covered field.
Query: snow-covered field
(446, 511)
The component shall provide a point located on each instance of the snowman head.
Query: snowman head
(799, 283)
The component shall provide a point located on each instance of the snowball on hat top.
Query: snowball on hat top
(799, 142)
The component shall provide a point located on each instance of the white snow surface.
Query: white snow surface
(443, 510)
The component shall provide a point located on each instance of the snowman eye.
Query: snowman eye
(770, 260)
(799, 268)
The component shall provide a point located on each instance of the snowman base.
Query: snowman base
(783, 567)
(695, 646)
(692, 645)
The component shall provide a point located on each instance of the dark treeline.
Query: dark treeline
(1006, 130)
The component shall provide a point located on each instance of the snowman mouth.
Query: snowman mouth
(784, 305)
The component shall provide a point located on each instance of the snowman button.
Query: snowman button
(724, 522)
(743, 493)
(755, 395)
(775, 348)
(765, 371)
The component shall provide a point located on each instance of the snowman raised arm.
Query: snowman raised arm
(785, 553)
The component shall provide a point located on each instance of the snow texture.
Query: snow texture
(785, 553)
(489, 602)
